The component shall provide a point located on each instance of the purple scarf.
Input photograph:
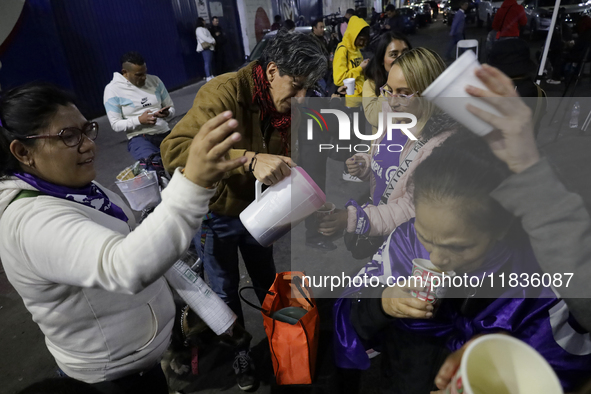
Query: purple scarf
(91, 195)
(531, 320)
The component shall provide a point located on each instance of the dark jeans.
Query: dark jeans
(144, 145)
(219, 240)
(208, 62)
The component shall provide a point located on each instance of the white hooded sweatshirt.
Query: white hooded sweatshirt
(94, 287)
(125, 102)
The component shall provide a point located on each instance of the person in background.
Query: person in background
(301, 22)
(509, 19)
(95, 287)
(205, 46)
(260, 96)
(390, 47)
(348, 63)
(220, 44)
(393, 20)
(562, 41)
(289, 25)
(565, 48)
(375, 16)
(457, 29)
(276, 23)
(318, 34)
(434, 8)
(345, 22)
(139, 105)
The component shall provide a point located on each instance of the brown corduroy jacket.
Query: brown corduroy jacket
(232, 91)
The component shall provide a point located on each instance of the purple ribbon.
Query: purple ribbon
(363, 225)
(91, 195)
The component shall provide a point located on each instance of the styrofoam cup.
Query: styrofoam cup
(501, 364)
(432, 292)
(448, 92)
(350, 84)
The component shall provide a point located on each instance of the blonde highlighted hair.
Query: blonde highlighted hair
(420, 67)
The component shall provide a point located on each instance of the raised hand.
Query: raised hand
(513, 139)
(206, 163)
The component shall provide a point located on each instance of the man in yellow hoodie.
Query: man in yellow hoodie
(348, 61)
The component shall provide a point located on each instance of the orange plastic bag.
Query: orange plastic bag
(293, 346)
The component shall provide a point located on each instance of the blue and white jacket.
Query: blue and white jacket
(125, 102)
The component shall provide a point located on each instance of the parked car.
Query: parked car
(409, 19)
(487, 10)
(539, 13)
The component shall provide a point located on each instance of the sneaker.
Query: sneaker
(553, 82)
(371, 353)
(209, 78)
(244, 370)
(350, 178)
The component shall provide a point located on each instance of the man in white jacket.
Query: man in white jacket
(138, 104)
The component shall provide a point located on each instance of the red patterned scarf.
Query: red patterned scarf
(262, 97)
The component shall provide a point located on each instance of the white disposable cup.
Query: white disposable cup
(448, 92)
(432, 292)
(325, 210)
(350, 84)
(282, 206)
(501, 364)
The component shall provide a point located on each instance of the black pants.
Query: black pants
(410, 361)
(152, 381)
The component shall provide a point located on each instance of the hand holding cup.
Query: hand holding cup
(332, 223)
(513, 139)
(400, 303)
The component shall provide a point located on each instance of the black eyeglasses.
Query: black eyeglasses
(72, 136)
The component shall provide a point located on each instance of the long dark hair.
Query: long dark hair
(200, 22)
(24, 111)
(375, 68)
(463, 168)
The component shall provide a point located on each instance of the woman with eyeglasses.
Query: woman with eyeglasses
(410, 74)
(95, 288)
(390, 47)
